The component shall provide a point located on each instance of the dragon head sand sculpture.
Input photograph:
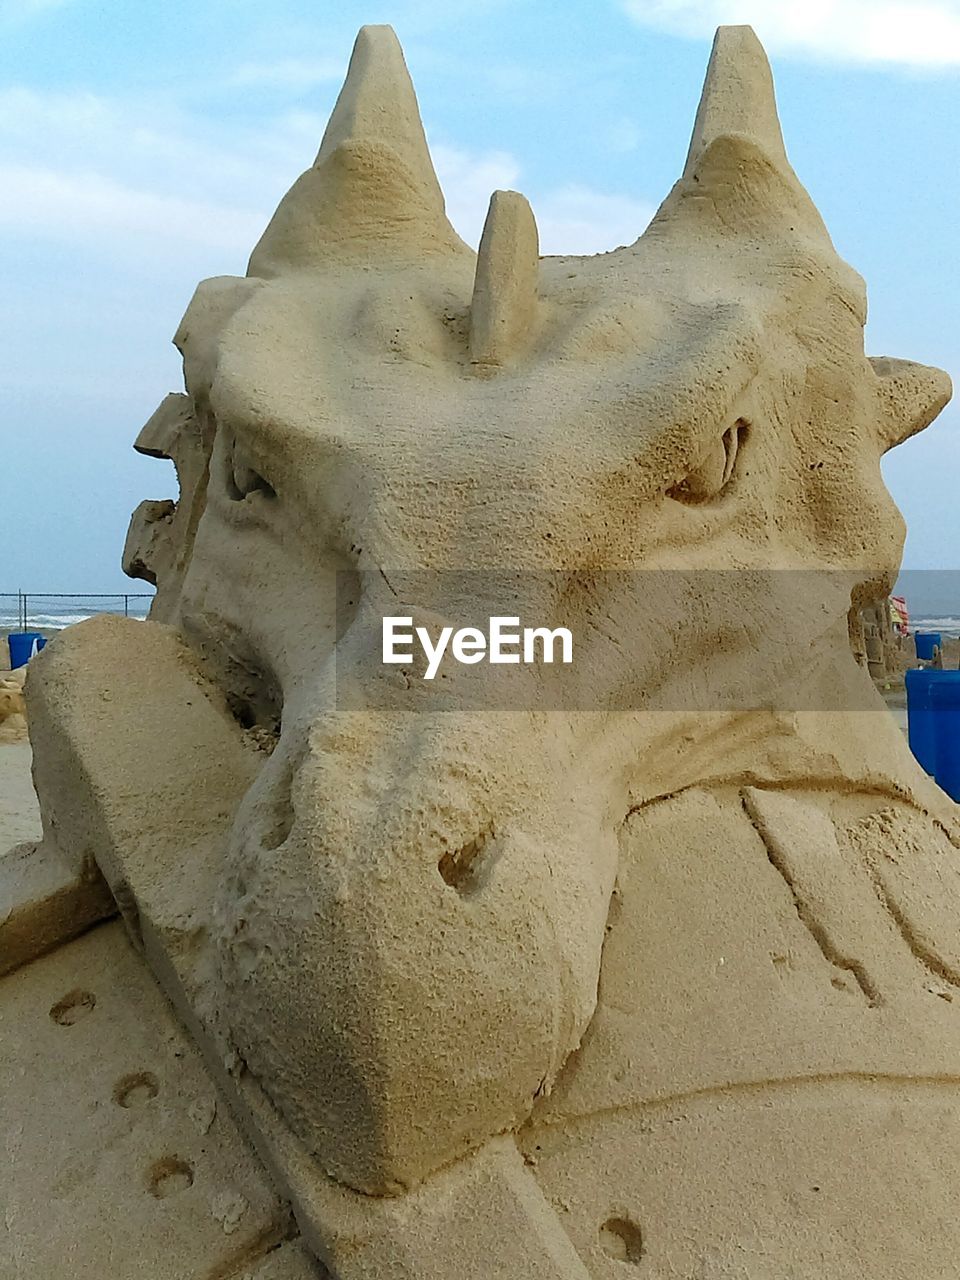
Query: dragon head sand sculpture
(686, 959)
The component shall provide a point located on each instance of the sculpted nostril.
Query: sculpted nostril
(622, 1240)
(245, 481)
(241, 479)
(468, 868)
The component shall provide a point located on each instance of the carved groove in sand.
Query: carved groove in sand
(517, 994)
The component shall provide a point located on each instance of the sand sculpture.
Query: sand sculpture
(11, 700)
(535, 993)
(13, 724)
(877, 644)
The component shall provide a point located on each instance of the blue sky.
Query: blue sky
(144, 147)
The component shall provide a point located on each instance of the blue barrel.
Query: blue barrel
(927, 642)
(945, 706)
(21, 646)
(921, 726)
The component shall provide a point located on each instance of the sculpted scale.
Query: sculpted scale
(536, 992)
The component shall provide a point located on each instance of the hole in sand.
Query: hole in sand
(468, 868)
(237, 666)
(241, 479)
(621, 1240)
(168, 1176)
(75, 1005)
(135, 1090)
(242, 711)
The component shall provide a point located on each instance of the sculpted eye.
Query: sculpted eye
(713, 473)
(241, 478)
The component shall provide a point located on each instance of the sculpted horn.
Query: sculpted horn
(372, 190)
(738, 98)
(737, 177)
(910, 394)
(503, 311)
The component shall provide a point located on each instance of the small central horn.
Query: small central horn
(504, 308)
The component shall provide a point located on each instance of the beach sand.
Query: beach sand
(19, 811)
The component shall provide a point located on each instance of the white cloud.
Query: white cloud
(918, 33)
(84, 206)
(288, 73)
(153, 144)
(571, 219)
(578, 220)
(139, 177)
(623, 135)
(13, 11)
(468, 182)
(143, 178)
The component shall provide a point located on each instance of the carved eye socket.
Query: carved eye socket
(713, 473)
(241, 479)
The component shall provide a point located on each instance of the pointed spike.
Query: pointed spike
(372, 189)
(378, 103)
(738, 97)
(505, 289)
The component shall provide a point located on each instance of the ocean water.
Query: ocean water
(947, 624)
(53, 613)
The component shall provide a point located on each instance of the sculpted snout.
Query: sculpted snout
(410, 964)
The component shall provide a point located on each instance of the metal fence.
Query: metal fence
(43, 610)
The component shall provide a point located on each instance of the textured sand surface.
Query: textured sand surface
(19, 810)
(138, 1166)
